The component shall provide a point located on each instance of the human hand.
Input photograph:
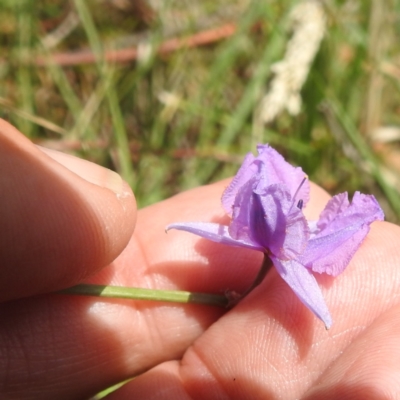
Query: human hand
(58, 230)
(269, 345)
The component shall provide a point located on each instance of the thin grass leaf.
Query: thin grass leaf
(120, 133)
(367, 154)
(24, 76)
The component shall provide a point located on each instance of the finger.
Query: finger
(270, 345)
(74, 347)
(163, 382)
(369, 368)
(100, 342)
(62, 218)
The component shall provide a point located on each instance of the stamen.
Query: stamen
(300, 202)
(301, 184)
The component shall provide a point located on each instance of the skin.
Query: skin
(61, 227)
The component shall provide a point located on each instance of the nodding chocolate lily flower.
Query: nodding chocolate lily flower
(266, 200)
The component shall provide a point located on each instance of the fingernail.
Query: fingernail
(87, 170)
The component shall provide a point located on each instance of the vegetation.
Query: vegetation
(175, 113)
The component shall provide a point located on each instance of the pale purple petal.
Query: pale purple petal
(297, 233)
(276, 224)
(336, 205)
(270, 166)
(305, 286)
(339, 214)
(245, 173)
(214, 232)
(243, 209)
(280, 171)
(332, 253)
(340, 232)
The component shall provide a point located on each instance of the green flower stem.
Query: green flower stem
(234, 298)
(129, 293)
(265, 267)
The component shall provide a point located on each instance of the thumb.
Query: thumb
(62, 218)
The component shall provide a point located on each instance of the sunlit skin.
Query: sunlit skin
(60, 229)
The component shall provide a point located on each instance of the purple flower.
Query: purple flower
(265, 201)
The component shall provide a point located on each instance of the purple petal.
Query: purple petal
(243, 210)
(336, 205)
(245, 173)
(215, 232)
(297, 234)
(266, 215)
(277, 224)
(332, 253)
(271, 167)
(280, 171)
(339, 213)
(305, 286)
(340, 232)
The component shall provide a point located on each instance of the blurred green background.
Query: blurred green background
(170, 93)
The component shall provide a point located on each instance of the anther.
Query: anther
(300, 204)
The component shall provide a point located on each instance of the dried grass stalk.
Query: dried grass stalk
(308, 23)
